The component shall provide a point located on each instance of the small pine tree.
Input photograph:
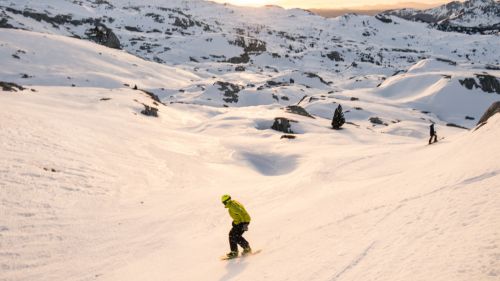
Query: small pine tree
(338, 118)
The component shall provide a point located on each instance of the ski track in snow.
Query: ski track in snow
(359, 258)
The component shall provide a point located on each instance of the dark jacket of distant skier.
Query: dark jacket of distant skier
(433, 134)
(241, 220)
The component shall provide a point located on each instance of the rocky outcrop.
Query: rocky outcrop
(150, 111)
(335, 56)
(230, 91)
(487, 83)
(471, 17)
(4, 23)
(377, 121)
(492, 110)
(282, 124)
(299, 110)
(104, 36)
(11, 87)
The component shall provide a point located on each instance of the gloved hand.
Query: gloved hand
(245, 227)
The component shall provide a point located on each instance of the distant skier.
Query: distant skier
(241, 220)
(433, 134)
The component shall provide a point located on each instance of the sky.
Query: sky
(326, 4)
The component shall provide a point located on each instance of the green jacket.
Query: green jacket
(237, 212)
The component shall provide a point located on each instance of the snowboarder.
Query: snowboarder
(433, 134)
(240, 223)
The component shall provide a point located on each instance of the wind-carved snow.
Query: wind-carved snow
(269, 164)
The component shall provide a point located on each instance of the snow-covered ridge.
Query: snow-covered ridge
(259, 56)
(87, 180)
(472, 16)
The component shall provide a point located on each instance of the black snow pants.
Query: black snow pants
(236, 238)
(435, 138)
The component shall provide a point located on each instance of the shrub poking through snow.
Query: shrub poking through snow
(338, 118)
(150, 111)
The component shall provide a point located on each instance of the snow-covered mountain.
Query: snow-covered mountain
(251, 56)
(472, 16)
(123, 122)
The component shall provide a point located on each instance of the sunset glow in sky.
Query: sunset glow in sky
(324, 4)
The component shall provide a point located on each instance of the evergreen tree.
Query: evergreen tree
(338, 118)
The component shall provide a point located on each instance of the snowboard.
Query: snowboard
(437, 141)
(224, 258)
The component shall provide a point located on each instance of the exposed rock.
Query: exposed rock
(335, 56)
(282, 124)
(5, 24)
(492, 67)
(230, 91)
(133, 28)
(492, 110)
(456, 126)
(11, 87)
(487, 83)
(314, 75)
(243, 58)
(296, 109)
(250, 45)
(150, 111)
(288, 137)
(104, 36)
(156, 17)
(377, 121)
(469, 83)
(55, 21)
(450, 62)
(383, 19)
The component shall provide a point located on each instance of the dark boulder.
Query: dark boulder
(282, 124)
(150, 111)
(377, 121)
(10, 87)
(104, 36)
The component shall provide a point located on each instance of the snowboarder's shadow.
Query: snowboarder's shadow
(234, 268)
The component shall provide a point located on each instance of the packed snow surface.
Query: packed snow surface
(91, 189)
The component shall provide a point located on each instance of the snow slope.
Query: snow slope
(271, 55)
(93, 190)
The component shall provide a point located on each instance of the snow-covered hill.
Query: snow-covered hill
(472, 16)
(112, 162)
(251, 56)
